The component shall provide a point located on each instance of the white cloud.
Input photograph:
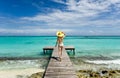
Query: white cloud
(79, 12)
(33, 31)
(59, 1)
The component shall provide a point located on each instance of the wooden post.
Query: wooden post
(74, 51)
(43, 51)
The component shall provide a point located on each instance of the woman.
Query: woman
(59, 42)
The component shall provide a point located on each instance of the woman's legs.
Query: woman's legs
(60, 51)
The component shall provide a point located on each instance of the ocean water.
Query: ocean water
(94, 49)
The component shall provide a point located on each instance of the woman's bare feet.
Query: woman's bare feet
(60, 59)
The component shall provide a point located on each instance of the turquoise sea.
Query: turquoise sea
(91, 48)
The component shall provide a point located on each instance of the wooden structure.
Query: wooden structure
(45, 49)
(59, 69)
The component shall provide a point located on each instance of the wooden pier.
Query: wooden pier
(60, 69)
(45, 49)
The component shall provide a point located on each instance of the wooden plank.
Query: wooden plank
(51, 47)
(57, 69)
(66, 48)
(48, 47)
(61, 76)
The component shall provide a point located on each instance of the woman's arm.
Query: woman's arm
(56, 42)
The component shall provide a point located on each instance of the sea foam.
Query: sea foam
(117, 61)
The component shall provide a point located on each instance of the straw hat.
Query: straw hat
(60, 34)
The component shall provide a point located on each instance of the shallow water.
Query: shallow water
(89, 48)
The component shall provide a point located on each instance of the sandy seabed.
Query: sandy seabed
(19, 73)
(83, 69)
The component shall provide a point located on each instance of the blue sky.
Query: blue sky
(45, 17)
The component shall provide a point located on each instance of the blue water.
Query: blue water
(91, 46)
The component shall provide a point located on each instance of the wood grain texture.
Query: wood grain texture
(60, 69)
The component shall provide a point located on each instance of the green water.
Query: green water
(85, 46)
(93, 49)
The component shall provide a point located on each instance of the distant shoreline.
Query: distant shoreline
(55, 35)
